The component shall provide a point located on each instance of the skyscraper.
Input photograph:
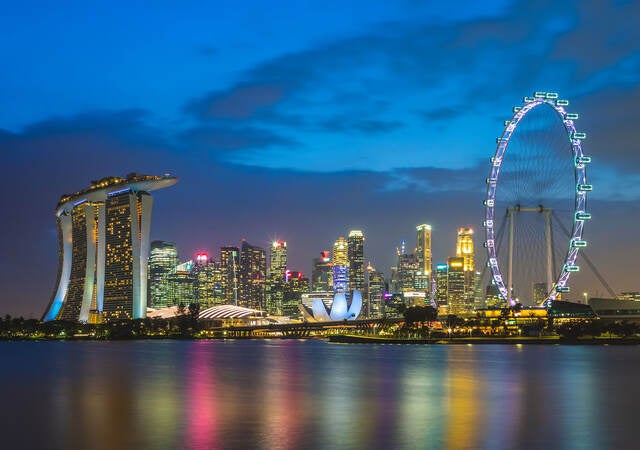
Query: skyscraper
(321, 273)
(103, 249)
(252, 276)
(295, 284)
(442, 274)
(465, 250)
(275, 283)
(209, 286)
(278, 258)
(407, 274)
(423, 249)
(230, 266)
(355, 253)
(376, 288)
(163, 258)
(340, 266)
(182, 285)
(455, 285)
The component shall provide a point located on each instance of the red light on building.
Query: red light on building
(202, 257)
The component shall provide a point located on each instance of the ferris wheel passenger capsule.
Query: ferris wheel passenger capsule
(583, 159)
(572, 116)
(585, 187)
(583, 215)
(562, 102)
(551, 95)
(578, 243)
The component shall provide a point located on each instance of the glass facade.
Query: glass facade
(252, 276)
(355, 244)
(163, 259)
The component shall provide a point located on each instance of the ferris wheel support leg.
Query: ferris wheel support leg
(511, 217)
(549, 240)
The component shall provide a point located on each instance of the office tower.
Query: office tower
(163, 259)
(340, 266)
(103, 249)
(209, 285)
(456, 285)
(355, 254)
(442, 273)
(182, 285)
(539, 293)
(321, 273)
(404, 273)
(464, 249)
(252, 276)
(230, 266)
(376, 288)
(423, 250)
(275, 284)
(278, 258)
(295, 285)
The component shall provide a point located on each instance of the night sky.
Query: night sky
(303, 120)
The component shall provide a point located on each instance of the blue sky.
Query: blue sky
(302, 120)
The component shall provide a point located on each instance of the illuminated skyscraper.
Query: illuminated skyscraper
(103, 249)
(275, 284)
(340, 266)
(376, 288)
(355, 253)
(423, 249)
(404, 273)
(278, 258)
(442, 274)
(230, 266)
(209, 286)
(295, 284)
(321, 273)
(465, 250)
(455, 285)
(182, 285)
(163, 258)
(252, 276)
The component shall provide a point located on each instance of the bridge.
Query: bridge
(304, 329)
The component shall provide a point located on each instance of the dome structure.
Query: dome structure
(229, 312)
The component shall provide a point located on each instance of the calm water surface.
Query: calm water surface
(312, 394)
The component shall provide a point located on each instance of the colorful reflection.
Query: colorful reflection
(310, 394)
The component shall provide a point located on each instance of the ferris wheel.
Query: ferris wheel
(537, 196)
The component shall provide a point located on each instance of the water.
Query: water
(312, 394)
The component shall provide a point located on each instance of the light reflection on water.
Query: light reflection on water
(309, 394)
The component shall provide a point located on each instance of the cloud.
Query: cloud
(366, 126)
(243, 101)
(441, 114)
(229, 138)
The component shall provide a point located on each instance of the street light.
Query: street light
(585, 297)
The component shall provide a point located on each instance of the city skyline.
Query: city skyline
(315, 120)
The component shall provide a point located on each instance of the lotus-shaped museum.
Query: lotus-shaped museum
(340, 309)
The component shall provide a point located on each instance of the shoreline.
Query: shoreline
(355, 339)
(358, 339)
